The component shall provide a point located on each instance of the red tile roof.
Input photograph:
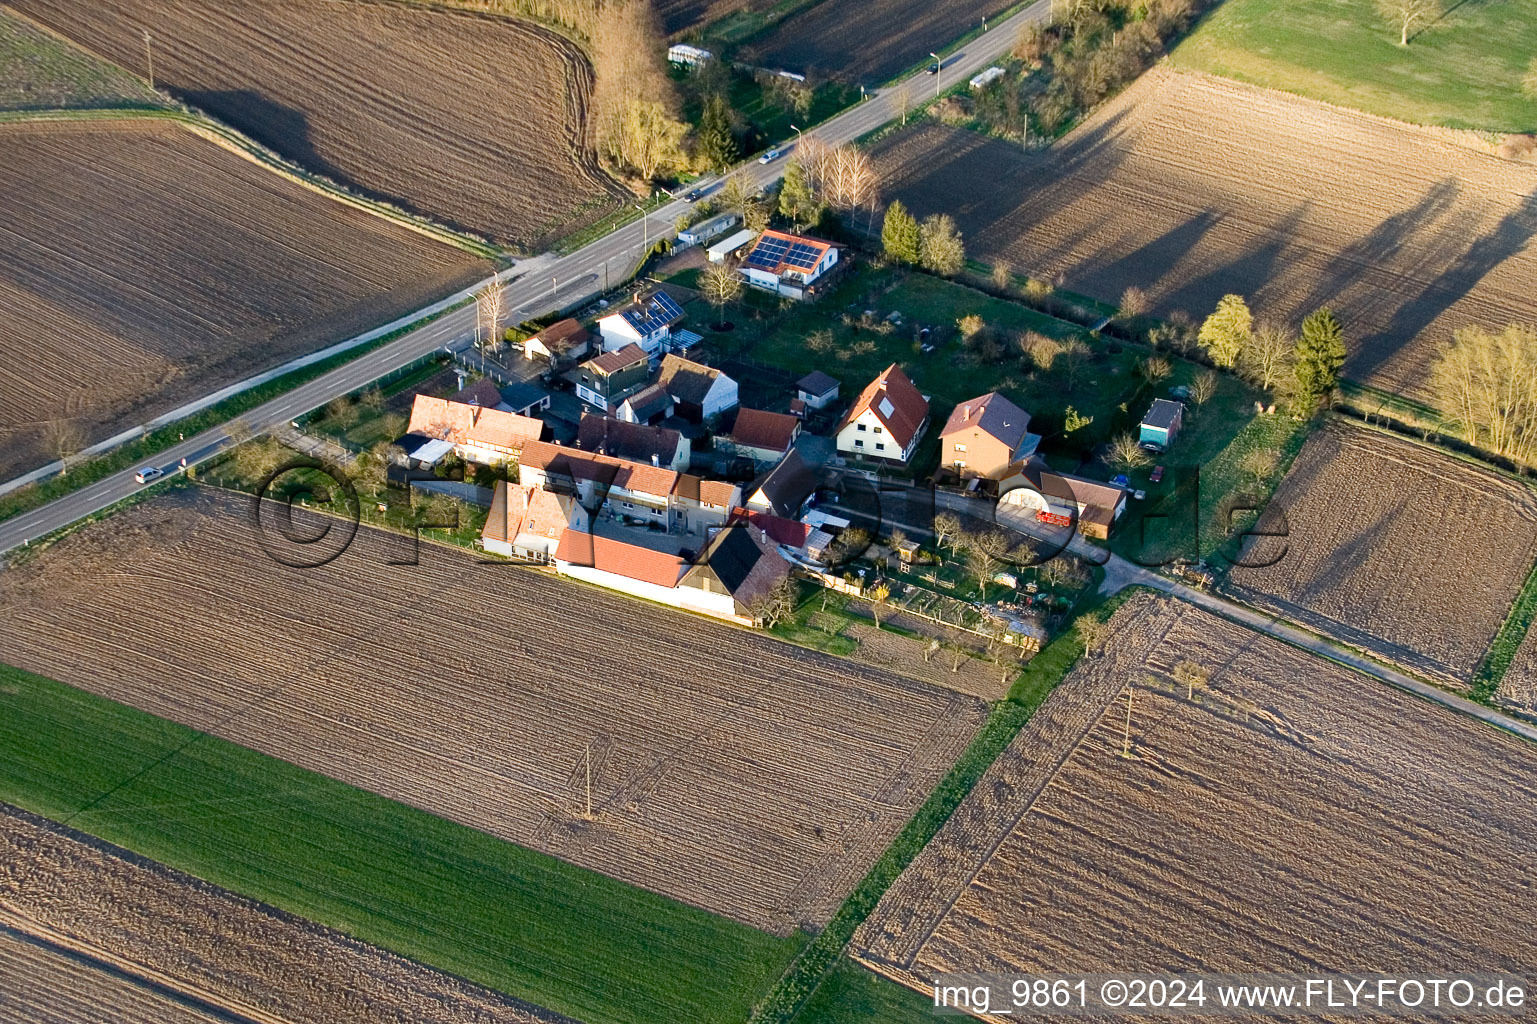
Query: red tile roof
(619, 558)
(774, 431)
(896, 403)
(562, 336)
(517, 509)
(613, 362)
(641, 477)
(472, 424)
(780, 530)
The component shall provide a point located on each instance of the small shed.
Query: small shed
(985, 78)
(709, 230)
(730, 246)
(817, 389)
(1161, 424)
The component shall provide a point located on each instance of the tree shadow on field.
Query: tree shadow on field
(1148, 264)
(283, 129)
(984, 182)
(1510, 237)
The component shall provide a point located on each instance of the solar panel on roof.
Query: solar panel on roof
(768, 253)
(803, 256)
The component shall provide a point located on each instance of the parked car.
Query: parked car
(1156, 475)
(770, 156)
(148, 473)
(1120, 480)
(693, 195)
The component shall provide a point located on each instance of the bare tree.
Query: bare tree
(719, 284)
(1406, 14)
(1074, 358)
(1260, 463)
(1133, 303)
(982, 563)
(1154, 369)
(777, 604)
(904, 99)
(947, 530)
(372, 399)
(1003, 275)
(64, 438)
(1125, 453)
(490, 307)
(1267, 359)
(1092, 632)
(1190, 675)
(1204, 388)
(1488, 383)
(878, 595)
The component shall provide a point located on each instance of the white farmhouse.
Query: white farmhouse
(886, 420)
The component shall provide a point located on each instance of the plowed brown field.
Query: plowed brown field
(1191, 187)
(729, 770)
(867, 41)
(1292, 817)
(1518, 687)
(90, 933)
(1395, 548)
(478, 121)
(144, 265)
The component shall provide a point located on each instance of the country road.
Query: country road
(1121, 573)
(529, 294)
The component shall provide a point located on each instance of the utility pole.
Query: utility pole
(149, 59)
(1126, 735)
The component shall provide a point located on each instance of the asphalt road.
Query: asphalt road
(535, 287)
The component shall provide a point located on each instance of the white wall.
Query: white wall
(849, 434)
(721, 396)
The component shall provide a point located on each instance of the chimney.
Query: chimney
(966, 412)
(656, 460)
(637, 296)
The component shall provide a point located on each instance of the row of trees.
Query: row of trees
(1487, 382)
(934, 244)
(1305, 368)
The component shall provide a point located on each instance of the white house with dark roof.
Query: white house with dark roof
(699, 392)
(886, 420)
(817, 389)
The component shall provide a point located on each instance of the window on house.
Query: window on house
(960, 447)
(880, 446)
(877, 430)
(960, 463)
(859, 442)
(863, 427)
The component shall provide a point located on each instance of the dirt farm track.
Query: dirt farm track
(90, 934)
(477, 121)
(1293, 816)
(731, 771)
(112, 311)
(1191, 187)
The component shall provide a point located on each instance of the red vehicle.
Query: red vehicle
(1156, 475)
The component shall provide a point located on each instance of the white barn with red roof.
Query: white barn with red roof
(886, 420)
(787, 264)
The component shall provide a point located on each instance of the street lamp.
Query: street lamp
(938, 67)
(797, 137)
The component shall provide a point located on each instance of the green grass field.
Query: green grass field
(517, 921)
(41, 71)
(1463, 71)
